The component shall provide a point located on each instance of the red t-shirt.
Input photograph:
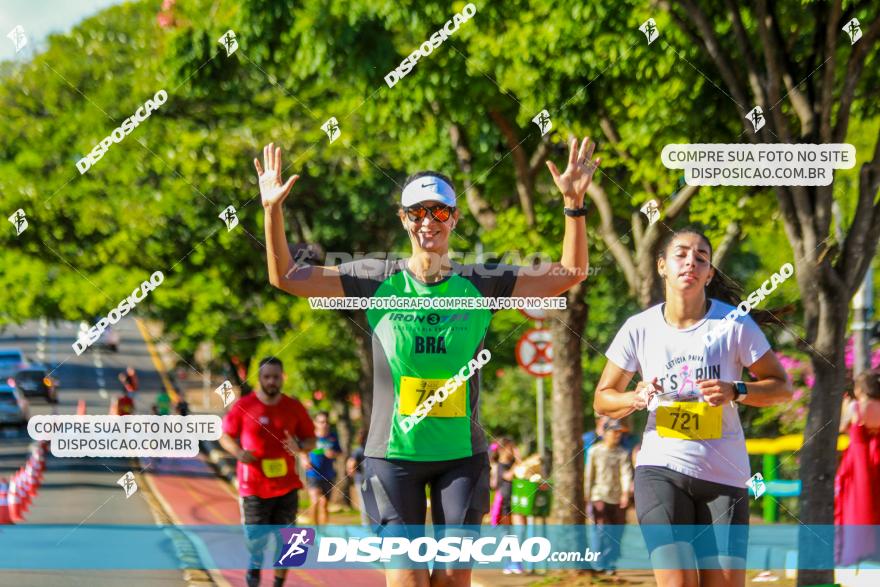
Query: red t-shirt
(260, 429)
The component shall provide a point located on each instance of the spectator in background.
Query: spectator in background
(355, 469)
(607, 489)
(593, 436)
(129, 380)
(123, 406)
(320, 470)
(163, 403)
(506, 457)
(182, 406)
(863, 404)
(856, 498)
(628, 440)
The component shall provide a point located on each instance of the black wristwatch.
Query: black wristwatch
(741, 391)
(575, 212)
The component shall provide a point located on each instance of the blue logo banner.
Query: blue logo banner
(106, 547)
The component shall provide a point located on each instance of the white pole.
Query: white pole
(540, 406)
(863, 310)
(206, 388)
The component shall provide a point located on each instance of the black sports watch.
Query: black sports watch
(575, 212)
(741, 391)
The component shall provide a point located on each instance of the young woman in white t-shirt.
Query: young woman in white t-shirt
(691, 473)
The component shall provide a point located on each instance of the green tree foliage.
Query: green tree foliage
(152, 202)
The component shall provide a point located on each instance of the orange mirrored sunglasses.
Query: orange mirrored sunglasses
(440, 213)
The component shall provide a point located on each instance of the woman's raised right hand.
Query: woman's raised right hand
(272, 191)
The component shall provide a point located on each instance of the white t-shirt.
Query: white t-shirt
(678, 358)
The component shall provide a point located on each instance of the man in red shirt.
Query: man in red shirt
(264, 430)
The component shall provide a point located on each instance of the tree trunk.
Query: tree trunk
(818, 457)
(649, 290)
(478, 206)
(567, 427)
(364, 349)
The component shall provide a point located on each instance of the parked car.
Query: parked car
(14, 407)
(11, 361)
(35, 381)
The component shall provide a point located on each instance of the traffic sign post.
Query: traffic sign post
(534, 353)
(536, 315)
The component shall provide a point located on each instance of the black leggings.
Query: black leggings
(394, 491)
(673, 507)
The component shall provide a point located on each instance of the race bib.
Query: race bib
(414, 391)
(689, 421)
(274, 467)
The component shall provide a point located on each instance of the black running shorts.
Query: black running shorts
(714, 516)
(273, 511)
(394, 491)
(258, 514)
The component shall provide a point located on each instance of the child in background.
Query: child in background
(607, 489)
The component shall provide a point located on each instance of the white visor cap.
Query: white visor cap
(425, 188)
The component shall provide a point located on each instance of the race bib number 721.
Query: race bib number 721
(689, 421)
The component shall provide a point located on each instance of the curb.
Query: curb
(194, 572)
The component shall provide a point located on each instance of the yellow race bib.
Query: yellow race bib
(414, 391)
(689, 421)
(274, 467)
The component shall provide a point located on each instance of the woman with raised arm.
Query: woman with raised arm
(691, 473)
(424, 429)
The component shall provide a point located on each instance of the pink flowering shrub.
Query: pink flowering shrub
(792, 415)
(165, 17)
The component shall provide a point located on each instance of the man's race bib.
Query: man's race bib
(414, 391)
(274, 467)
(689, 421)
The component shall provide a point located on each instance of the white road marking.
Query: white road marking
(99, 372)
(41, 339)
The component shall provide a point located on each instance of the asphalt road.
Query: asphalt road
(82, 490)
